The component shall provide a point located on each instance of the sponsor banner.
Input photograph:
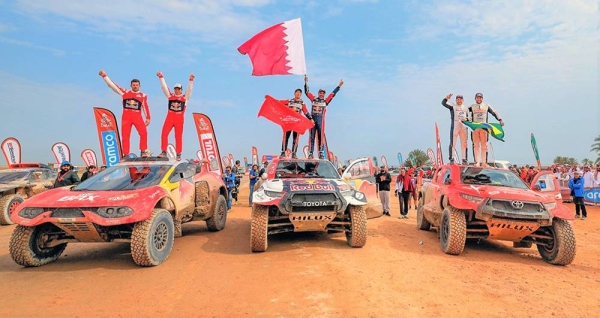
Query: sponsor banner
(171, 151)
(305, 151)
(89, 157)
(11, 148)
(592, 195)
(254, 155)
(226, 161)
(199, 155)
(268, 157)
(535, 150)
(384, 161)
(375, 162)
(413, 160)
(61, 152)
(231, 159)
(245, 161)
(208, 142)
(108, 136)
(431, 156)
(438, 144)
(400, 163)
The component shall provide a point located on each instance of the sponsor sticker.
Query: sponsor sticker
(81, 197)
(111, 150)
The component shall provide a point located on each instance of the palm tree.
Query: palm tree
(421, 158)
(586, 162)
(596, 148)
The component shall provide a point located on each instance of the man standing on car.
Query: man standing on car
(297, 105)
(175, 114)
(66, 176)
(229, 179)
(577, 185)
(134, 104)
(383, 180)
(318, 111)
(458, 114)
(479, 113)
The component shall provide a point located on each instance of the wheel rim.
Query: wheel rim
(221, 211)
(445, 230)
(161, 236)
(12, 207)
(550, 247)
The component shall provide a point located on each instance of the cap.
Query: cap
(65, 163)
(459, 96)
(575, 172)
(177, 85)
(321, 90)
(478, 95)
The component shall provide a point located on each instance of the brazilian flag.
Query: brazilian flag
(494, 129)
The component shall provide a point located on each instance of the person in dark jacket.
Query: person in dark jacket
(90, 171)
(66, 176)
(229, 179)
(383, 180)
(576, 185)
(404, 188)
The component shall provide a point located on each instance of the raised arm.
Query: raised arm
(335, 90)
(190, 88)
(116, 88)
(163, 84)
(445, 101)
(307, 92)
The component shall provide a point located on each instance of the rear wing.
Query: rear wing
(26, 165)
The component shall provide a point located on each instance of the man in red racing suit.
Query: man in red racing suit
(175, 114)
(297, 105)
(134, 104)
(319, 108)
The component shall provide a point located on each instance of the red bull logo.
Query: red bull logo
(312, 187)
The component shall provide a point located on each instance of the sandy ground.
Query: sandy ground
(401, 272)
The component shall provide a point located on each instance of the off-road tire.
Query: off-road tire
(258, 230)
(453, 231)
(7, 205)
(217, 221)
(563, 249)
(152, 239)
(25, 251)
(422, 223)
(357, 234)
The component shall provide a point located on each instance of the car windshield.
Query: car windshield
(10, 176)
(125, 177)
(502, 178)
(306, 169)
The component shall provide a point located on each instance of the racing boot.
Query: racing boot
(282, 154)
(145, 153)
(162, 154)
(310, 156)
(464, 162)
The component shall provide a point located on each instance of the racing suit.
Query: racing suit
(458, 113)
(175, 115)
(134, 103)
(479, 113)
(298, 106)
(319, 108)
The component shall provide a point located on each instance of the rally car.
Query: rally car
(19, 182)
(143, 201)
(468, 202)
(300, 195)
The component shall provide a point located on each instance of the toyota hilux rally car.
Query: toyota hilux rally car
(467, 202)
(300, 195)
(143, 201)
(19, 182)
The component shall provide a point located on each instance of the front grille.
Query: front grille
(67, 213)
(299, 198)
(313, 202)
(528, 207)
(504, 208)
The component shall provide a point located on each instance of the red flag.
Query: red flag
(438, 145)
(208, 143)
(108, 135)
(278, 50)
(284, 116)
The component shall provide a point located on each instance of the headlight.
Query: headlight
(114, 212)
(471, 198)
(359, 195)
(30, 213)
(273, 194)
(550, 206)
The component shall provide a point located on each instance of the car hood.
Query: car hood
(301, 184)
(9, 186)
(504, 193)
(65, 197)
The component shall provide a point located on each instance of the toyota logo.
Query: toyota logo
(517, 204)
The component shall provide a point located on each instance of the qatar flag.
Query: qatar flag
(278, 50)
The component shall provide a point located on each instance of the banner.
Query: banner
(254, 155)
(108, 136)
(199, 155)
(535, 151)
(245, 162)
(277, 50)
(400, 163)
(61, 152)
(89, 157)
(375, 162)
(413, 160)
(11, 148)
(431, 156)
(208, 142)
(305, 151)
(438, 144)
(171, 153)
(384, 161)
(226, 162)
(592, 195)
(231, 159)
(289, 120)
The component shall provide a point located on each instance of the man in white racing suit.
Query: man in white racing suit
(479, 113)
(458, 114)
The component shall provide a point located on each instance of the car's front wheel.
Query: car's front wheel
(8, 204)
(217, 221)
(28, 245)
(152, 239)
(356, 236)
(561, 249)
(259, 228)
(453, 231)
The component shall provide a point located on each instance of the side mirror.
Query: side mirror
(448, 181)
(346, 176)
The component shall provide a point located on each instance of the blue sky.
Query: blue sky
(536, 62)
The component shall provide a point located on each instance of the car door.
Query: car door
(545, 183)
(183, 194)
(359, 175)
